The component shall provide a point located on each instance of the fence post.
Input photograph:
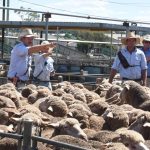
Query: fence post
(27, 135)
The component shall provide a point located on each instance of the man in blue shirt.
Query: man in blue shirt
(136, 59)
(146, 50)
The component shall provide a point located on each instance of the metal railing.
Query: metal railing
(28, 142)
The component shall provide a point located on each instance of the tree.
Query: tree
(27, 15)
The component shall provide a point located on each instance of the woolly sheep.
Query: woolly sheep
(6, 102)
(135, 95)
(73, 141)
(70, 126)
(13, 95)
(106, 136)
(8, 144)
(132, 139)
(98, 106)
(96, 122)
(114, 89)
(115, 117)
(142, 125)
(54, 106)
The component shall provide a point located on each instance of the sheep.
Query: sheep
(29, 109)
(96, 122)
(115, 117)
(90, 96)
(142, 125)
(13, 95)
(132, 139)
(27, 90)
(73, 141)
(4, 117)
(40, 93)
(79, 112)
(89, 132)
(6, 102)
(135, 95)
(98, 106)
(68, 98)
(58, 92)
(10, 86)
(114, 89)
(8, 144)
(115, 146)
(55, 106)
(106, 136)
(6, 129)
(69, 126)
(132, 112)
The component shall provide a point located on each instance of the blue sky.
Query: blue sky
(127, 10)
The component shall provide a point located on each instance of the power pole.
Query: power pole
(3, 31)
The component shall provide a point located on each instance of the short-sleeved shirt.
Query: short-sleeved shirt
(136, 59)
(43, 65)
(19, 62)
(147, 54)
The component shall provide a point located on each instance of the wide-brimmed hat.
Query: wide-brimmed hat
(146, 38)
(26, 32)
(44, 42)
(130, 35)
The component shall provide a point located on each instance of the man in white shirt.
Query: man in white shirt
(137, 65)
(20, 61)
(43, 68)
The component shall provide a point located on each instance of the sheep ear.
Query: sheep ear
(15, 119)
(10, 127)
(110, 115)
(146, 124)
(127, 86)
(55, 125)
(50, 108)
(70, 114)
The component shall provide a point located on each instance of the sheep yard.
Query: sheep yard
(110, 117)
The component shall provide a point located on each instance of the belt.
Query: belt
(21, 81)
(136, 80)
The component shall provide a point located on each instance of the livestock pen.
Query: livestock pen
(26, 141)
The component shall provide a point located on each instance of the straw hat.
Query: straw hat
(146, 38)
(44, 42)
(26, 32)
(130, 35)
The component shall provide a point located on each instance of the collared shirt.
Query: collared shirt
(147, 54)
(136, 59)
(39, 62)
(19, 62)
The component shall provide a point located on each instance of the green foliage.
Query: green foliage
(27, 15)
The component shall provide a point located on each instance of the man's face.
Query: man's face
(131, 42)
(28, 41)
(146, 44)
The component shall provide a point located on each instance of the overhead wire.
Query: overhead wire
(88, 16)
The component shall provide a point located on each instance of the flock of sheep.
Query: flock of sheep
(112, 117)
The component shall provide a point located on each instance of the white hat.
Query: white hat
(27, 32)
(146, 38)
(44, 42)
(130, 35)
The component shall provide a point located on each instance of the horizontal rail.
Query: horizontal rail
(11, 135)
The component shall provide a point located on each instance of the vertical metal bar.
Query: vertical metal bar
(57, 45)
(46, 29)
(111, 47)
(34, 145)
(3, 30)
(27, 135)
